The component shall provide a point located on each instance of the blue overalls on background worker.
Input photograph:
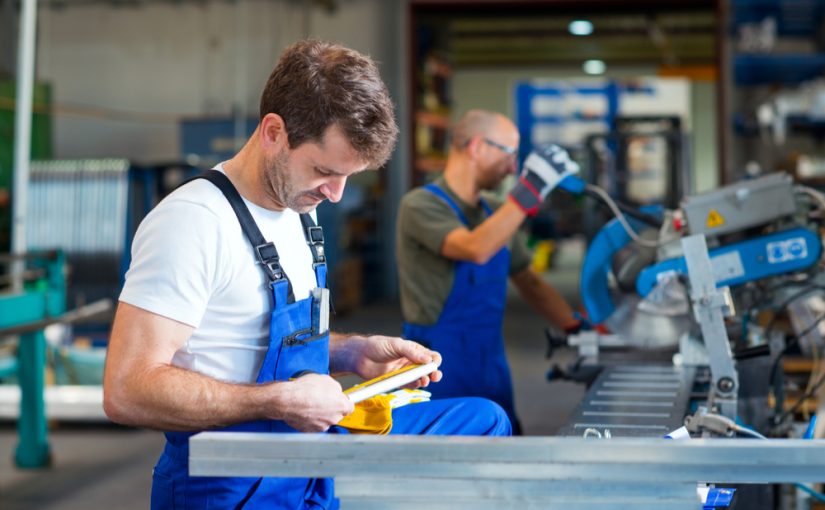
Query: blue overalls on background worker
(456, 251)
(468, 332)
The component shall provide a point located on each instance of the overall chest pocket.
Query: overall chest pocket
(301, 338)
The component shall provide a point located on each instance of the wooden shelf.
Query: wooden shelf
(437, 120)
(797, 365)
(430, 163)
(810, 405)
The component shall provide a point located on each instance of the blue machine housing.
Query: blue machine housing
(770, 255)
(593, 286)
(746, 261)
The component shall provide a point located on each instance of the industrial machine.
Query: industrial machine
(691, 297)
(27, 309)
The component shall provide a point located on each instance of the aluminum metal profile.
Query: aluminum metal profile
(454, 494)
(514, 458)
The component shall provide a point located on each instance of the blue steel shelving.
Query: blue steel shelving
(800, 19)
(526, 93)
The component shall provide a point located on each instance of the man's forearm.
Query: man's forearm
(342, 357)
(171, 398)
(554, 307)
(484, 241)
(545, 299)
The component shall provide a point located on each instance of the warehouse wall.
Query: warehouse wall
(493, 90)
(123, 76)
(705, 140)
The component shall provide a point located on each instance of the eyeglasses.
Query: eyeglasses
(510, 151)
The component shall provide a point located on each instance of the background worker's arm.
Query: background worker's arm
(545, 299)
(142, 388)
(481, 243)
(543, 170)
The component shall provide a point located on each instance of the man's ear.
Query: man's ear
(273, 132)
(473, 146)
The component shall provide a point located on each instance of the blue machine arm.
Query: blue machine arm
(746, 261)
(593, 286)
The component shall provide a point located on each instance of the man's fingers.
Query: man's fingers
(413, 351)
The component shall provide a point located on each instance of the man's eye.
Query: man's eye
(322, 172)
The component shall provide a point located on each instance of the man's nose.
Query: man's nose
(334, 188)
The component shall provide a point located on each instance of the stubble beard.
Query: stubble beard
(280, 188)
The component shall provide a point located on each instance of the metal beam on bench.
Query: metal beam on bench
(403, 472)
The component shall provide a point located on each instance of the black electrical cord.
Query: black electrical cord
(788, 301)
(808, 394)
(766, 294)
(792, 341)
(629, 210)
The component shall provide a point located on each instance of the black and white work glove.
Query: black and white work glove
(543, 170)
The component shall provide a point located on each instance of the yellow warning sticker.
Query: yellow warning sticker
(714, 219)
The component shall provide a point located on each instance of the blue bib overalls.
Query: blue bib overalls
(468, 333)
(297, 344)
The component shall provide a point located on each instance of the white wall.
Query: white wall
(123, 77)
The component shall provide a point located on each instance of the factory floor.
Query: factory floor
(104, 466)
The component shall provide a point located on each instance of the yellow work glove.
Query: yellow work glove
(374, 415)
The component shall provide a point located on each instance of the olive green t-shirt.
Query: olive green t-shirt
(426, 276)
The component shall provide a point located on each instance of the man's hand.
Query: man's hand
(543, 170)
(314, 403)
(372, 356)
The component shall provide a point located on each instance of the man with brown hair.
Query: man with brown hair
(456, 251)
(223, 318)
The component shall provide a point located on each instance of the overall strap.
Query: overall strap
(440, 193)
(485, 206)
(265, 251)
(315, 239)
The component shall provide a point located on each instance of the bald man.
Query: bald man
(456, 250)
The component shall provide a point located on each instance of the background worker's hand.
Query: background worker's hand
(543, 170)
(314, 403)
(376, 355)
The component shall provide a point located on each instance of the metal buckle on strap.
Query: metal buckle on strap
(315, 235)
(315, 239)
(268, 256)
(319, 257)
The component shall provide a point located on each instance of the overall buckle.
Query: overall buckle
(315, 239)
(316, 235)
(268, 256)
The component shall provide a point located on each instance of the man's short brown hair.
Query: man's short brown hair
(318, 84)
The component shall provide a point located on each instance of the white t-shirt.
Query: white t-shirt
(192, 263)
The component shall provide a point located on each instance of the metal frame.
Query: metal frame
(710, 306)
(45, 300)
(400, 472)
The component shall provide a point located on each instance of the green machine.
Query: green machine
(26, 313)
(41, 143)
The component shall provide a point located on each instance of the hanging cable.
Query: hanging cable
(620, 216)
(818, 197)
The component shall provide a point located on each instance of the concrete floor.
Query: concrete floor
(104, 466)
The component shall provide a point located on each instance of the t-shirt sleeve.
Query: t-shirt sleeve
(427, 219)
(176, 254)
